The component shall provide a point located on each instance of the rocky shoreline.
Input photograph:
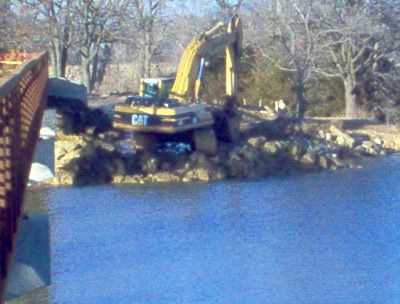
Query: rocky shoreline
(102, 158)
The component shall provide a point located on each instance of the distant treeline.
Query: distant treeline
(320, 57)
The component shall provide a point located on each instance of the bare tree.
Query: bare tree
(352, 43)
(55, 18)
(97, 23)
(282, 32)
(146, 15)
(18, 29)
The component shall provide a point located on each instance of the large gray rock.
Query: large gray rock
(336, 162)
(47, 133)
(271, 147)
(343, 138)
(323, 162)
(67, 90)
(199, 159)
(249, 152)
(296, 150)
(39, 173)
(63, 178)
(360, 151)
(164, 177)
(239, 166)
(199, 174)
(128, 179)
(257, 142)
(371, 147)
(309, 159)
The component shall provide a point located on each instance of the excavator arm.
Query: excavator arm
(224, 35)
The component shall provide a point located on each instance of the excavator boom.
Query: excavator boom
(226, 35)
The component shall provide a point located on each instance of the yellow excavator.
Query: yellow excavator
(169, 109)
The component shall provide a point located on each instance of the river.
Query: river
(330, 237)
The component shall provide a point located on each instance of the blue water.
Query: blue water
(329, 237)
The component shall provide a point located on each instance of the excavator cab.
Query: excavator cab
(158, 87)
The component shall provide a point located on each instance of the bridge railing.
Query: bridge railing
(22, 101)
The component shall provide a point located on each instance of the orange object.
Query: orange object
(17, 57)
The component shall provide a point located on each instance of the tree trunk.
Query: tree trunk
(350, 99)
(300, 101)
(148, 55)
(104, 60)
(60, 70)
(142, 58)
(58, 55)
(86, 74)
(64, 51)
(299, 90)
(94, 65)
(146, 71)
(53, 59)
(63, 61)
(147, 48)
